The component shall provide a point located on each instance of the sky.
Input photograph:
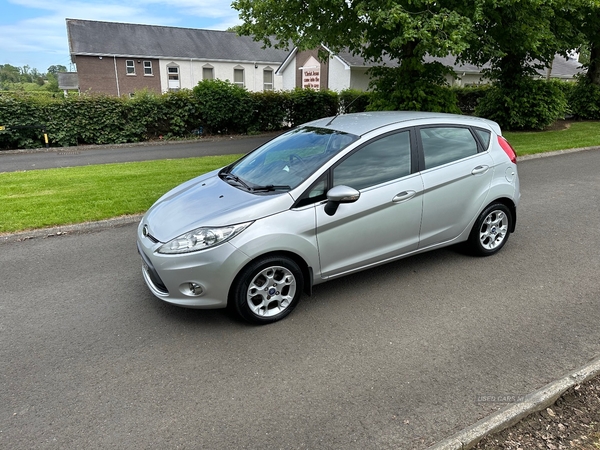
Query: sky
(34, 32)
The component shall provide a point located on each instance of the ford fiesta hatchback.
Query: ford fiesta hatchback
(327, 199)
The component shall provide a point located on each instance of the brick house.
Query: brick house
(121, 58)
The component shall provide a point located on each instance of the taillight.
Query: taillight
(508, 149)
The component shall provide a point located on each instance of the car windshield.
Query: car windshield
(286, 161)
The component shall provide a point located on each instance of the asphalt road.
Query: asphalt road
(87, 155)
(391, 358)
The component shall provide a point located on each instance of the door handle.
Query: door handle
(403, 196)
(479, 170)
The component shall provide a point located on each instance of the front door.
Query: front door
(385, 221)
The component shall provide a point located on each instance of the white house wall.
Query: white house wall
(339, 75)
(288, 76)
(360, 80)
(190, 73)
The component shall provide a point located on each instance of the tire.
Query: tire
(491, 230)
(267, 290)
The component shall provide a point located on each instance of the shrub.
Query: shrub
(468, 97)
(17, 110)
(584, 99)
(307, 104)
(270, 110)
(223, 107)
(353, 101)
(412, 87)
(527, 105)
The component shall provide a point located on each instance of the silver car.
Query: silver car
(328, 199)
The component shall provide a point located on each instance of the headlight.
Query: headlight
(202, 238)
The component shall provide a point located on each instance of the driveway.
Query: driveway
(391, 358)
(11, 161)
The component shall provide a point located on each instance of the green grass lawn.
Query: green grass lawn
(578, 135)
(43, 198)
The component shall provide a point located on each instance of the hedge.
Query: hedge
(213, 107)
(216, 107)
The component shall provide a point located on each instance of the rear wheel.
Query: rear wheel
(268, 289)
(491, 230)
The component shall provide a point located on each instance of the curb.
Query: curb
(506, 417)
(555, 153)
(63, 230)
(165, 142)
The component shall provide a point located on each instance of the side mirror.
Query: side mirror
(340, 194)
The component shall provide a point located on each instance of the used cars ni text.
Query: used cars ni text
(327, 199)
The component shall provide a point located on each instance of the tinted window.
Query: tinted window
(442, 145)
(383, 160)
(484, 135)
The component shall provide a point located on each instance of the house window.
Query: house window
(130, 65)
(208, 73)
(268, 79)
(147, 67)
(238, 76)
(173, 77)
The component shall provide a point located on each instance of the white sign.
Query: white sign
(311, 74)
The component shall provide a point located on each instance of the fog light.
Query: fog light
(192, 289)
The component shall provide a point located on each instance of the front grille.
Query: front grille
(152, 238)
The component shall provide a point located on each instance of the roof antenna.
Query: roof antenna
(345, 109)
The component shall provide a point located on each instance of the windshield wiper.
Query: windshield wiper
(228, 176)
(271, 187)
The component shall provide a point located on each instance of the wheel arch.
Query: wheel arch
(511, 207)
(307, 271)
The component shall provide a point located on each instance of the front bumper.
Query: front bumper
(210, 272)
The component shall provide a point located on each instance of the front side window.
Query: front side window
(385, 159)
(443, 145)
(130, 65)
(289, 159)
(238, 77)
(147, 67)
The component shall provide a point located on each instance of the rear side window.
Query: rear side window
(442, 145)
(379, 161)
(484, 135)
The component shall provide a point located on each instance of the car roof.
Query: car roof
(362, 123)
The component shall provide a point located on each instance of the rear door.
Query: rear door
(457, 172)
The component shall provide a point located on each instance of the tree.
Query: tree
(9, 73)
(403, 30)
(54, 69)
(518, 37)
(588, 22)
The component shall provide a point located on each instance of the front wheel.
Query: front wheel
(267, 290)
(491, 230)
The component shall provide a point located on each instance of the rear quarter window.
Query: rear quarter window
(484, 136)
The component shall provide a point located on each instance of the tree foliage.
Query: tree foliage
(587, 22)
(27, 79)
(518, 37)
(403, 31)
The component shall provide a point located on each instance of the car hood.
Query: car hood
(209, 201)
